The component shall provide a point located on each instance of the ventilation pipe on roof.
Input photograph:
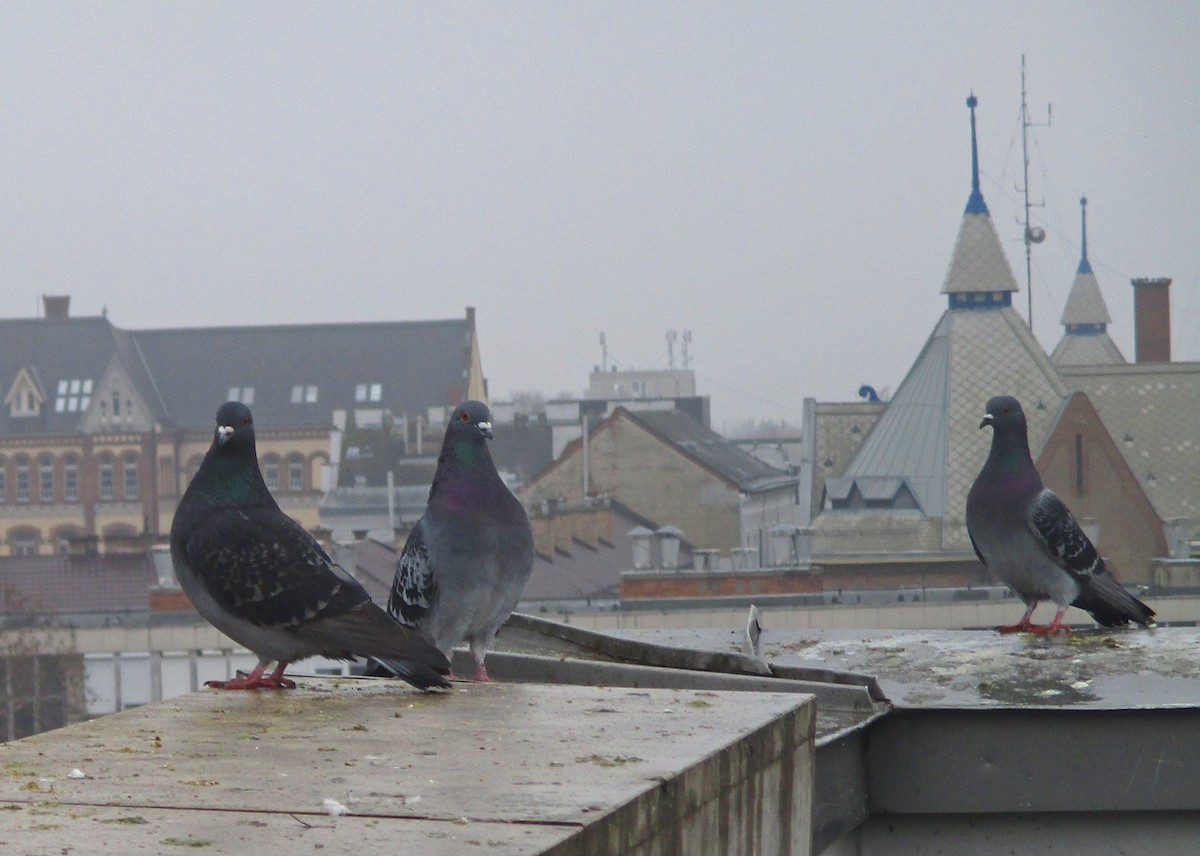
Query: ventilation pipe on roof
(1152, 320)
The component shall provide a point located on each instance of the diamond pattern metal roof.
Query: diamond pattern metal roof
(1086, 349)
(1152, 411)
(1085, 303)
(978, 263)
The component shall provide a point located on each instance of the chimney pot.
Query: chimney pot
(57, 306)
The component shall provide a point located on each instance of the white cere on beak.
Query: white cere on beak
(224, 432)
(486, 428)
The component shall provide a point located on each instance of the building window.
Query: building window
(304, 394)
(244, 394)
(129, 475)
(295, 472)
(73, 396)
(3, 481)
(365, 392)
(70, 479)
(22, 479)
(106, 476)
(271, 472)
(45, 479)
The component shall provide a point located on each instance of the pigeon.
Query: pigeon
(1025, 535)
(466, 561)
(260, 578)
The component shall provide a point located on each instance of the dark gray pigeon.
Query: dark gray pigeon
(466, 561)
(260, 578)
(1027, 537)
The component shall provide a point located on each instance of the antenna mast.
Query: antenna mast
(1033, 235)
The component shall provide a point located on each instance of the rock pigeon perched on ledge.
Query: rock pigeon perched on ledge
(1028, 538)
(465, 563)
(260, 578)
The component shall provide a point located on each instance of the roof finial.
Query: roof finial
(1084, 265)
(975, 203)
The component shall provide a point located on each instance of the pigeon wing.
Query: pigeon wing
(413, 588)
(1052, 524)
(264, 567)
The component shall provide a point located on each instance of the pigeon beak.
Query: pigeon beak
(224, 432)
(987, 420)
(485, 428)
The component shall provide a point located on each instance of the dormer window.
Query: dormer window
(304, 394)
(365, 392)
(24, 398)
(73, 395)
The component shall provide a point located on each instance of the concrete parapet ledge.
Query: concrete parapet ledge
(499, 768)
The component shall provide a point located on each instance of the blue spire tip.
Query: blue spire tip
(1084, 265)
(975, 203)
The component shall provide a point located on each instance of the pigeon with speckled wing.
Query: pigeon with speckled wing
(1026, 536)
(260, 578)
(466, 562)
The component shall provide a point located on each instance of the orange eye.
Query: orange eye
(464, 416)
(245, 420)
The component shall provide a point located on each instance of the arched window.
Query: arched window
(129, 475)
(70, 478)
(61, 537)
(105, 468)
(295, 464)
(271, 472)
(22, 473)
(45, 478)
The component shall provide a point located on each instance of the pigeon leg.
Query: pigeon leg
(255, 679)
(479, 651)
(1024, 624)
(1054, 626)
(481, 675)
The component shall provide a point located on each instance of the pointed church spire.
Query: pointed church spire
(975, 203)
(1084, 265)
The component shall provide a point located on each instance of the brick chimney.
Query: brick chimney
(57, 306)
(1152, 320)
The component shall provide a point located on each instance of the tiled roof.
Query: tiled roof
(978, 263)
(1086, 349)
(48, 585)
(1152, 411)
(1085, 303)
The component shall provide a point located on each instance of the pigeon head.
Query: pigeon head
(471, 420)
(1004, 414)
(235, 428)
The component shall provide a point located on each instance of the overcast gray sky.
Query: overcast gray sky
(785, 180)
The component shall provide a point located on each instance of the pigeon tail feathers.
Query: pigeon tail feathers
(1110, 604)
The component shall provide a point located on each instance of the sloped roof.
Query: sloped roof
(185, 374)
(55, 350)
(1151, 411)
(1085, 303)
(419, 364)
(908, 441)
(49, 585)
(1086, 349)
(928, 435)
(978, 263)
(712, 450)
